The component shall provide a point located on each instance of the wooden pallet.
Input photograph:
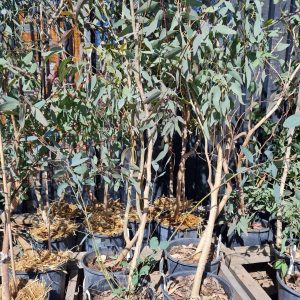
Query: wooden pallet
(236, 258)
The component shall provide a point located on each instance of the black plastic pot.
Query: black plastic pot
(54, 280)
(166, 232)
(175, 265)
(253, 237)
(61, 244)
(287, 258)
(101, 241)
(226, 286)
(133, 227)
(119, 281)
(92, 278)
(284, 292)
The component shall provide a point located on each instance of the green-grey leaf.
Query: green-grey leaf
(292, 121)
(224, 29)
(10, 104)
(39, 116)
(248, 154)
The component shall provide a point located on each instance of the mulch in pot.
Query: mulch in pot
(180, 288)
(109, 295)
(105, 221)
(28, 290)
(293, 281)
(107, 261)
(63, 209)
(185, 253)
(59, 228)
(41, 261)
(183, 221)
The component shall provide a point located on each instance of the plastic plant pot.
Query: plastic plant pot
(175, 265)
(121, 280)
(100, 241)
(167, 232)
(93, 278)
(287, 258)
(226, 286)
(54, 280)
(284, 292)
(133, 227)
(61, 244)
(253, 237)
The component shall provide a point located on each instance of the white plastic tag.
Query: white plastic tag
(292, 259)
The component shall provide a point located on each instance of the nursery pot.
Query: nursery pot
(165, 232)
(133, 227)
(225, 285)
(121, 280)
(61, 244)
(115, 242)
(253, 237)
(176, 266)
(54, 279)
(287, 258)
(92, 278)
(284, 292)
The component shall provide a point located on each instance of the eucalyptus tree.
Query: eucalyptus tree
(222, 53)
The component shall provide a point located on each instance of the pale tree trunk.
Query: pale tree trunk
(171, 169)
(142, 226)
(47, 208)
(5, 220)
(137, 72)
(181, 171)
(288, 149)
(210, 226)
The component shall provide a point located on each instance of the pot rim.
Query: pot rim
(284, 286)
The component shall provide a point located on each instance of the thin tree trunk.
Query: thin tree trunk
(290, 135)
(46, 210)
(136, 70)
(6, 220)
(105, 196)
(210, 226)
(171, 169)
(181, 171)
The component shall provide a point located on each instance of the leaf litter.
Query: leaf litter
(180, 289)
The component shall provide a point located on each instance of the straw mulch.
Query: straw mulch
(183, 221)
(28, 290)
(167, 204)
(105, 221)
(59, 228)
(41, 261)
(62, 209)
(134, 217)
